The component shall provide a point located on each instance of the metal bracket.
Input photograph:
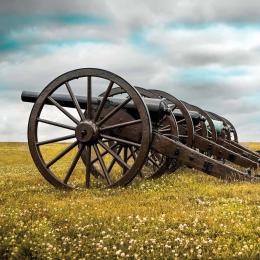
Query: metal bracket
(207, 167)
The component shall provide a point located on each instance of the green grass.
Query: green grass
(183, 215)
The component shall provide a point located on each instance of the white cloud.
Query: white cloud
(150, 12)
(154, 61)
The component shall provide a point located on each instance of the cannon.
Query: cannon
(192, 128)
(219, 129)
(112, 132)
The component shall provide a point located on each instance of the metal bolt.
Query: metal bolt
(83, 132)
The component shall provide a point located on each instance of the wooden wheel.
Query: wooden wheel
(225, 132)
(232, 130)
(210, 131)
(184, 121)
(156, 164)
(92, 131)
(200, 126)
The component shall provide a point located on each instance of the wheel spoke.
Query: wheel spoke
(164, 127)
(73, 164)
(183, 136)
(164, 130)
(102, 164)
(115, 155)
(121, 124)
(125, 159)
(181, 121)
(125, 154)
(75, 101)
(88, 165)
(61, 154)
(153, 162)
(89, 101)
(55, 124)
(104, 99)
(111, 165)
(114, 160)
(133, 152)
(54, 140)
(104, 153)
(130, 155)
(64, 111)
(174, 137)
(116, 109)
(120, 140)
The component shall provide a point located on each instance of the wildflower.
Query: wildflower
(118, 252)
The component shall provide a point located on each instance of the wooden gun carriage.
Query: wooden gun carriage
(119, 132)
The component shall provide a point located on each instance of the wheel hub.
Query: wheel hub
(86, 131)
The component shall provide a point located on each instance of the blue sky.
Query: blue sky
(204, 52)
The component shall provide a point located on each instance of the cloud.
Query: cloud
(204, 52)
(34, 74)
(218, 44)
(179, 10)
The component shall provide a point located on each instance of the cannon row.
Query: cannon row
(125, 132)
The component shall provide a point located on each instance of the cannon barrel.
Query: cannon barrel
(155, 106)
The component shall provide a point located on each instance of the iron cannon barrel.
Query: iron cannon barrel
(153, 105)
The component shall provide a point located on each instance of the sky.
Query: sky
(205, 52)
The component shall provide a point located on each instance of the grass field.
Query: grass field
(184, 215)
